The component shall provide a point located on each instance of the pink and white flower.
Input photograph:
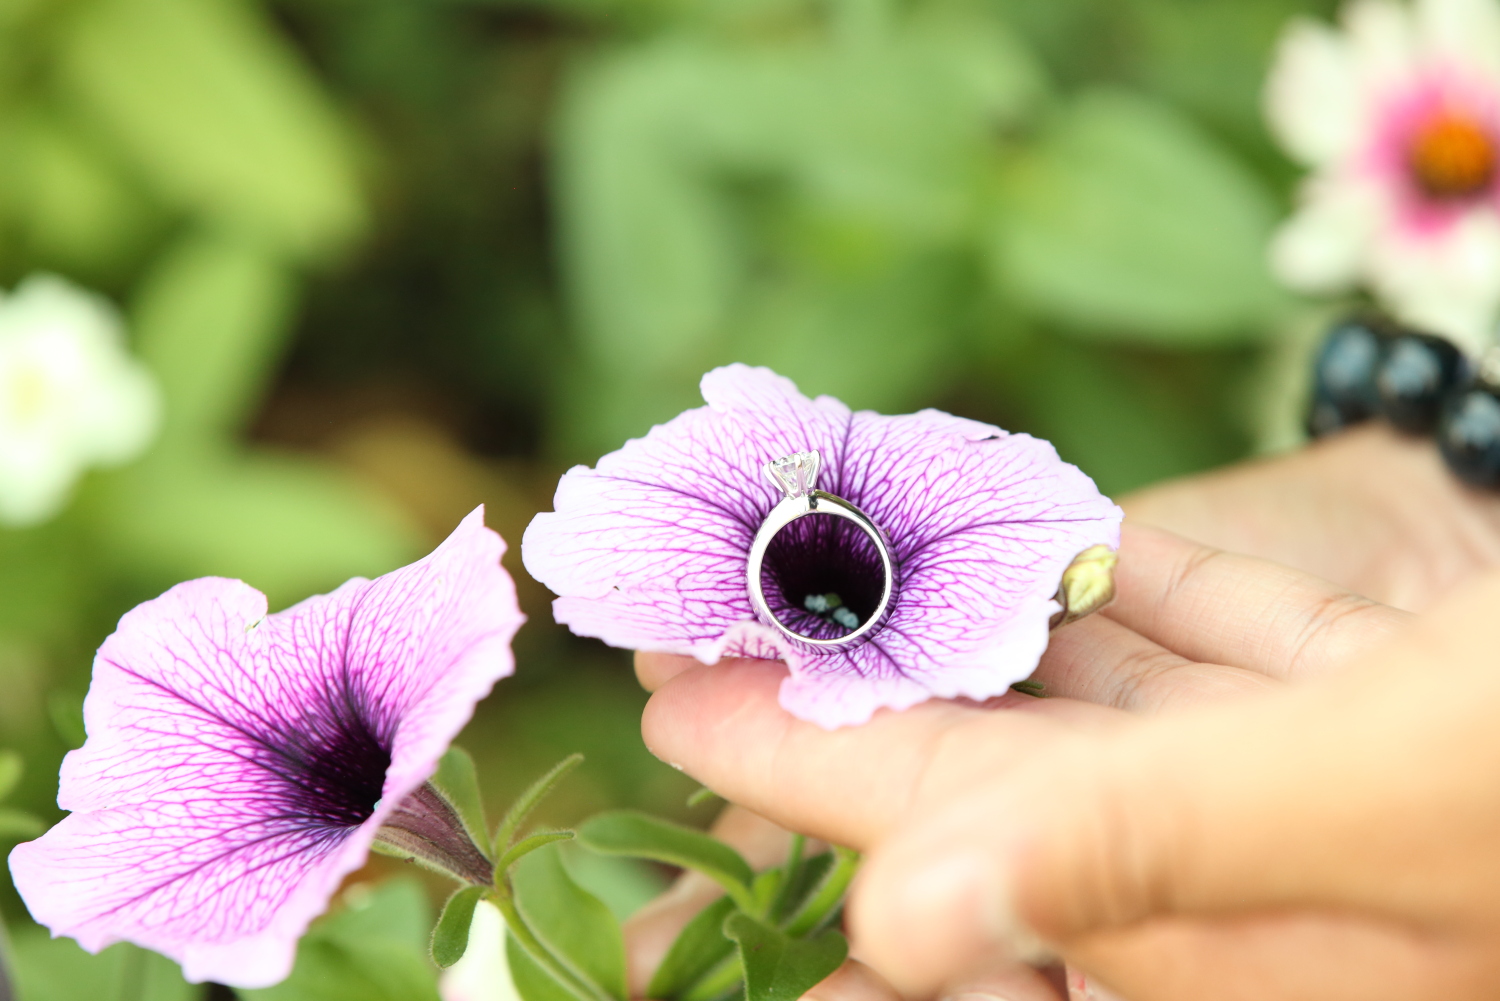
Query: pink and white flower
(1398, 115)
(649, 549)
(239, 765)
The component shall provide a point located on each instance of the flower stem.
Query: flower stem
(566, 978)
(788, 875)
(716, 981)
(828, 895)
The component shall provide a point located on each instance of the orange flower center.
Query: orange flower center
(1452, 157)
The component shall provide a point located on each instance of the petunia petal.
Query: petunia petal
(649, 550)
(219, 800)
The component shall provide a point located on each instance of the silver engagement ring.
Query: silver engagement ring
(797, 478)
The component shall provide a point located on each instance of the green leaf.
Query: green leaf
(573, 923)
(699, 947)
(526, 846)
(780, 968)
(17, 825)
(450, 936)
(457, 780)
(629, 832)
(11, 769)
(703, 795)
(210, 318)
(56, 969)
(213, 108)
(825, 897)
(532, 982)
(65, 710)
(1128, 222)
(510, 825)
(373, 948)
(803, 884)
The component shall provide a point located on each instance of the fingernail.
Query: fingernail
(971, 882)
(1085, 988)
(977, 996)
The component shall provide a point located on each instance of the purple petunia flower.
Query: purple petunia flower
(239, 765)
(649, 550)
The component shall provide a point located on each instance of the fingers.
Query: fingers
(653, 670)
(1099, 660)
(723, 725)
(854, 981)
(1352, 795)
(1219, 608)
(1301, 957)
(1371, 509)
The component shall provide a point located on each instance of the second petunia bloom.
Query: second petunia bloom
(239, 765)
(649, 549)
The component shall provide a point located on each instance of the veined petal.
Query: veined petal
(1313, 101)
(238, 765)
(214, 881)
(649, 550)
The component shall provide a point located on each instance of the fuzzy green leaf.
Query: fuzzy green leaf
(628, 832)
(450, 936)
(778, 967)
(458, 781)
(802, 884)
(510, 826)
(575, 924)
(532, 982)
(821, 900)
(699, 947)
(526, 846)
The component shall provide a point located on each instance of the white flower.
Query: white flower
(1398, 115)
(483, 974)
(70, 395)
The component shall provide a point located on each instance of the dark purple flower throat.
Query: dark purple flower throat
(822, 577)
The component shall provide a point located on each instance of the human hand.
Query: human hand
(873, 785)
(1369, 508)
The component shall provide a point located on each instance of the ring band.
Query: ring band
(797, 477)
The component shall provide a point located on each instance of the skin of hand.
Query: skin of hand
(1193, 627)
(1369, 508)
(1372, 509)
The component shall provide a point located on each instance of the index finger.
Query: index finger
(722, 724)
(1217, 607)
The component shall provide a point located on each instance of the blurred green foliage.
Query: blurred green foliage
(391, 258)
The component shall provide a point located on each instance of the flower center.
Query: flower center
(822, 576)
(334, 764)
(1452, 157)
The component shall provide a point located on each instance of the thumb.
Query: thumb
(1359, 793)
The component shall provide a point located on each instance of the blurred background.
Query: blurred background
(388, 259)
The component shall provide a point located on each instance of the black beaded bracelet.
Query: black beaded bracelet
(1371, 367)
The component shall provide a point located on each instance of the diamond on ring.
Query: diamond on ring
(796, 474)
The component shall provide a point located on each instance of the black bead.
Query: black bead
(1469, 436)
(1415, 376)
(1344, 377)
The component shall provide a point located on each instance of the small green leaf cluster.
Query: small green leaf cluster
(771, 934)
